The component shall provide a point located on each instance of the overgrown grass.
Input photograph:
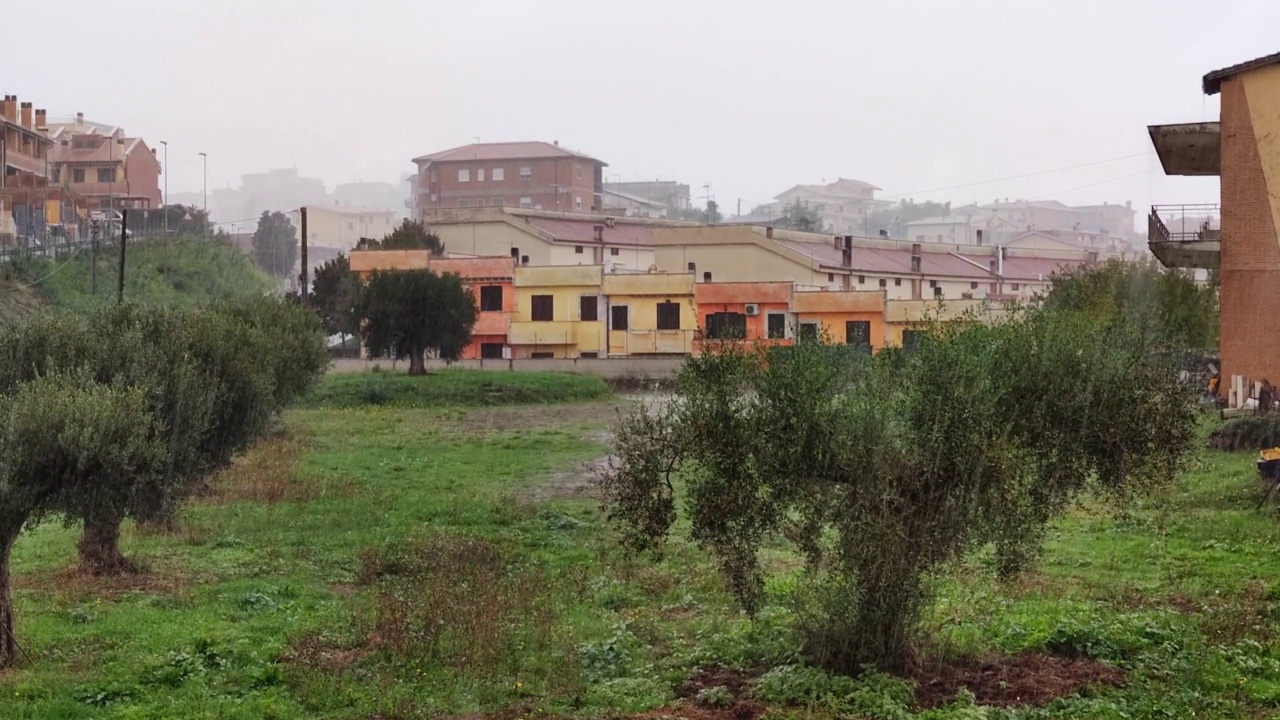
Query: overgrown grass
(392, 563)
(1250, 432)
(454, 387)
(182, 271)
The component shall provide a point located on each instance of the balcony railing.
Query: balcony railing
(1184, 223)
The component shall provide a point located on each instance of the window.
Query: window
(543, 308)
(77, 175)
(668, 315)
(490, 298)
(106, 175)
(777, 326)
(490, 351)
(57, 175)
(463, 202)
(577, 249)
(577, 171)
(706, 276)
(808, 331)
(933, 283)
(480, 175)
(937, 292)
(497, 202)
(858, 334)
(1014, 287)
(862, 279)
(589, 308)
(614, 251)
(526, 172)
(619, 317)
(831, 277)
(499, 174)
(973, 286)
(464, 175)
(884, 282)
(727, 326)
(897, 282)
(542, 355)
(577, 202)
(526, 202)
(589, 355)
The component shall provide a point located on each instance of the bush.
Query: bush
(1255, 432)
(454, 387)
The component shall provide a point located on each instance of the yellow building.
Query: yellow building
(559, 312)
(650, 313)
(904, 318)
(341, 227)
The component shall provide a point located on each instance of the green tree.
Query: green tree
(275, 244)
(72, 446)
(409, 314)
(799, 216)
(182, 220)
(411, 235)
(885, 472)
(335, 293)
(894, 218)
(1167, 305)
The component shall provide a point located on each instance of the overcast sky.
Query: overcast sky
(747, 97)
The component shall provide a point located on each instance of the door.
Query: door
(858, 334)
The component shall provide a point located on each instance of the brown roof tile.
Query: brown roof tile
(503, 151)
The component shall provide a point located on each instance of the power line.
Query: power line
(33, 283)
(1094, 184)
(1019, 177)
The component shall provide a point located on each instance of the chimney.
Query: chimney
(79, 118)
(599, 232)
(42, 119)
(26, 115)
(846, 255)
(10, 108)
(838, 241)
(524, 259)
(979, 237)
(1000, 257)
(768, 231)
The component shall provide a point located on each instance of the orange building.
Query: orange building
(751, 311)
(488, 278)
(850, 317)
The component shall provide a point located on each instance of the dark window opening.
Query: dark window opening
(543, 308)
(620, 317)
(858, 334)
(590, 308)
(577, 249)
(973, 286)
(706, 277)
(491, 351)
(543, 355)
(727, 326)
(809, 331)
(777, 326)
(77, 175)
(897, 282)
(613, 251)
(933, 283)
(883, 282)
(1015, 287)
(831, 277)
(937, 292)
(106, 175)
(862, 279)
(668, 315)
(491, 298)
(589, 355)
(693, 267)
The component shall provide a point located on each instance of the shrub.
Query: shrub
(1256, 432)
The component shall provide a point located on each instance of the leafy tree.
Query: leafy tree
(411, 235)
(275, 244)
(182, 220)
(1167, 305)
(408, 314)
(885, 473)
(894, 219)
(335, 293)
(67, 444)
(799, 216)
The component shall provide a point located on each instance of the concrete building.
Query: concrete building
(752, 312)
(102, 166)
(30, 202)
(1243, 148)
(341, 227)
(554, 310)
(546, 238)
(650, 313)
(841, 205)
(1094, 227)
(648, 198)
(282, 189)
(907, 320)
(852, 317)
(512, 174)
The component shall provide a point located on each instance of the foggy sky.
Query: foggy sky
(748, 97)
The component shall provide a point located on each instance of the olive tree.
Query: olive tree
(883, 473)
(66, 444)
(410, 313)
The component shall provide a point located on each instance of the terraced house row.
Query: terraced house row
(586, 311)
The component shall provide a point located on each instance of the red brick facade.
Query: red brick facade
(1250, 275)
(534, 175)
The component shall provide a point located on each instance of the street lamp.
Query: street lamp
(204, 192)
(164, 204)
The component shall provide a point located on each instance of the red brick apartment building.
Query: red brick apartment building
(514, 174)
(104, 167)
(1244, 150)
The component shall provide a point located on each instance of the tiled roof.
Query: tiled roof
(583, 231)
(503, 151)
(1213, 80)
(898, 262)
(106, 152)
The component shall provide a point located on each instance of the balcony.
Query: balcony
(1185, 236)
(1188, 148)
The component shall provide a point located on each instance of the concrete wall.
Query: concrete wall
(625, 257)
(494, 237)
(1250, 275)
(632, 368)
(343, 230)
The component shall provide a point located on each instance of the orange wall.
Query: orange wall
(832, 309)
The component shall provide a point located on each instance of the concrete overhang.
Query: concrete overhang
(1188, 148)
(1206, 254)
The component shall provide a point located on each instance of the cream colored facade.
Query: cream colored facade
(506, 232)
(342, 228)
(737, 253)
(646, 299)
(564, 334)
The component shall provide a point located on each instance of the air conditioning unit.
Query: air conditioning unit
(753, 309)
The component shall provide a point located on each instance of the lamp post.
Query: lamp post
(164, 204)
(204, 191)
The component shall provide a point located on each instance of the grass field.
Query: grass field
(454, 387)
(398, 562)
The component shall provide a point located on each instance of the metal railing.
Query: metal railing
(1184, 223)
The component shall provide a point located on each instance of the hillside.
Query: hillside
(183, 271)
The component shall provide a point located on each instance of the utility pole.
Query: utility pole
(164, 204)
(124, 236)
(303, 292)
(204, 187)
(95, 229)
